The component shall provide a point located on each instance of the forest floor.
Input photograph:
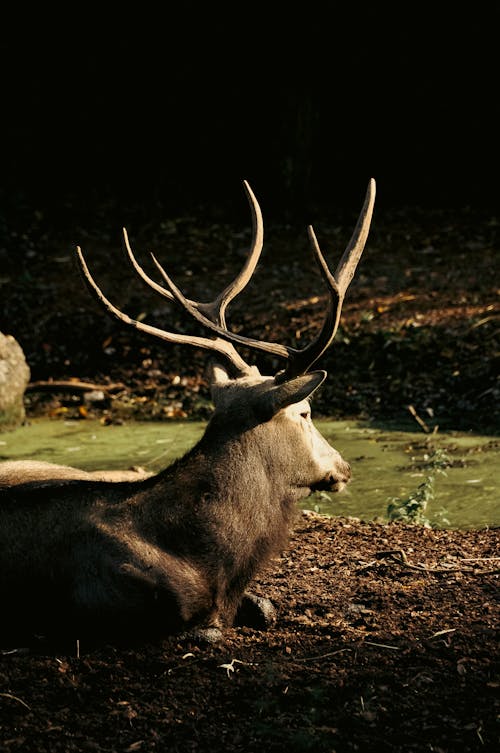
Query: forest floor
(387, 634)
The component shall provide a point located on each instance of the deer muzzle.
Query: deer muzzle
(336, 479)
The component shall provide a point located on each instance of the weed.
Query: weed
(412, 508)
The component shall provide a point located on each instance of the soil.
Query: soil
(387, 634)
(386, 639)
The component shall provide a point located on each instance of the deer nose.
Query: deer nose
(340, 477)
(336, 479)
(344, 473)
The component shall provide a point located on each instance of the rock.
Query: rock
(95, 398)
(14, 376)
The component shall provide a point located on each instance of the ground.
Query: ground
(387, 635)
(386, 639)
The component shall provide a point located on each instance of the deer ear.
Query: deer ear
(294, 391)
(217, 374)
(218, 378)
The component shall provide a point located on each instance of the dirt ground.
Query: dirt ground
(386, 639)
(387, 635)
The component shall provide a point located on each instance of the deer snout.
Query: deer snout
(336, 479)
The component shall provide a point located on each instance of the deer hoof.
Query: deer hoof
(256, 612)
(202, 636)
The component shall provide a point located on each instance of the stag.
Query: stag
(176, 552)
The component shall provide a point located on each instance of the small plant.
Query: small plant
(412, 509)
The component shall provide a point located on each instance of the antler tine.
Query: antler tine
(351, 256)
(217, 345)
(140, 271)
(215, 310)
(337, 284)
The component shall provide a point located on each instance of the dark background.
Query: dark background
(176, 105)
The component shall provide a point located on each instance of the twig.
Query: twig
(381, 645)
(399, 557)
(171, 670)
(442, 632)
(71, 385)
(391, 552)
(324, 656)
(230, 669)
(419, 420)
(15, 698)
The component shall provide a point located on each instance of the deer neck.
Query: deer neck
(234, 477)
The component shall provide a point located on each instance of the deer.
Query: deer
(176, 553)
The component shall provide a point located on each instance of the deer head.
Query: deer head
(238, 388)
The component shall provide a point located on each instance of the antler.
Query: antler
(212, 314)
(337, 285)
(298, 361)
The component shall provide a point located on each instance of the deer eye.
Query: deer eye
(306, 414)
